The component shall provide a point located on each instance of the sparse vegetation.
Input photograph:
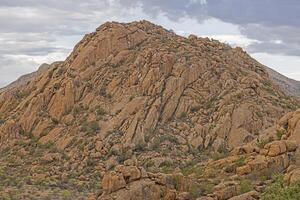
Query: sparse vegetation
(183, 115)
(198, 190)
(157, 141)
(261, 144)
(221, 153)
(21, 94)
(279, 134)
(279, 191)
(90, 127)
(192, 169)
(100, 111)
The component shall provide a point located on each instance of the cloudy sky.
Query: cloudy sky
(33, 32)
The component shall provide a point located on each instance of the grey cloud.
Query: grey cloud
(274, 39)
(268, 12)
(274, 48)
(258, 19)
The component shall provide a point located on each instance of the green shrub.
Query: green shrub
(140, 147)
(230, 169)
(66, 194)
(221, 153)
(183, 115)
(198, 190)
(56, 86)
(90, 127)
(195, 109)
(94, 125)
(192, 169)
(21, 94)
(195, 191)
(157, 141)
(112, 152)
(100, 111)
(278, 191)
(167, 169)
(279, 134)
(240, 162)
(262, 143)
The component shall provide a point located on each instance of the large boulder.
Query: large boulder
(112, 182)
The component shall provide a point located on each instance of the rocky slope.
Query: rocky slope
(133, 112)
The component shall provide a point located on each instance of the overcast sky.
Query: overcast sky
(33, 32)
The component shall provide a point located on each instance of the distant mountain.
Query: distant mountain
(23, 80)
(290, 86)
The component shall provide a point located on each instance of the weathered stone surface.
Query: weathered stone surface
(112, 182)
(226, 190)
(253, 195)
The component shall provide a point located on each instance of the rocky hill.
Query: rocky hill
(136, 112)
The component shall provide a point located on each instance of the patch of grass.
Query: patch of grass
(279, 134)
(246, 186)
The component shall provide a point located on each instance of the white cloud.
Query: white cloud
(202, 2)
(286, 65)
(234, 40)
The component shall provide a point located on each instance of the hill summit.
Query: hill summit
(134, 112)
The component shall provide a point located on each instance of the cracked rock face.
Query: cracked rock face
(128, 87)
